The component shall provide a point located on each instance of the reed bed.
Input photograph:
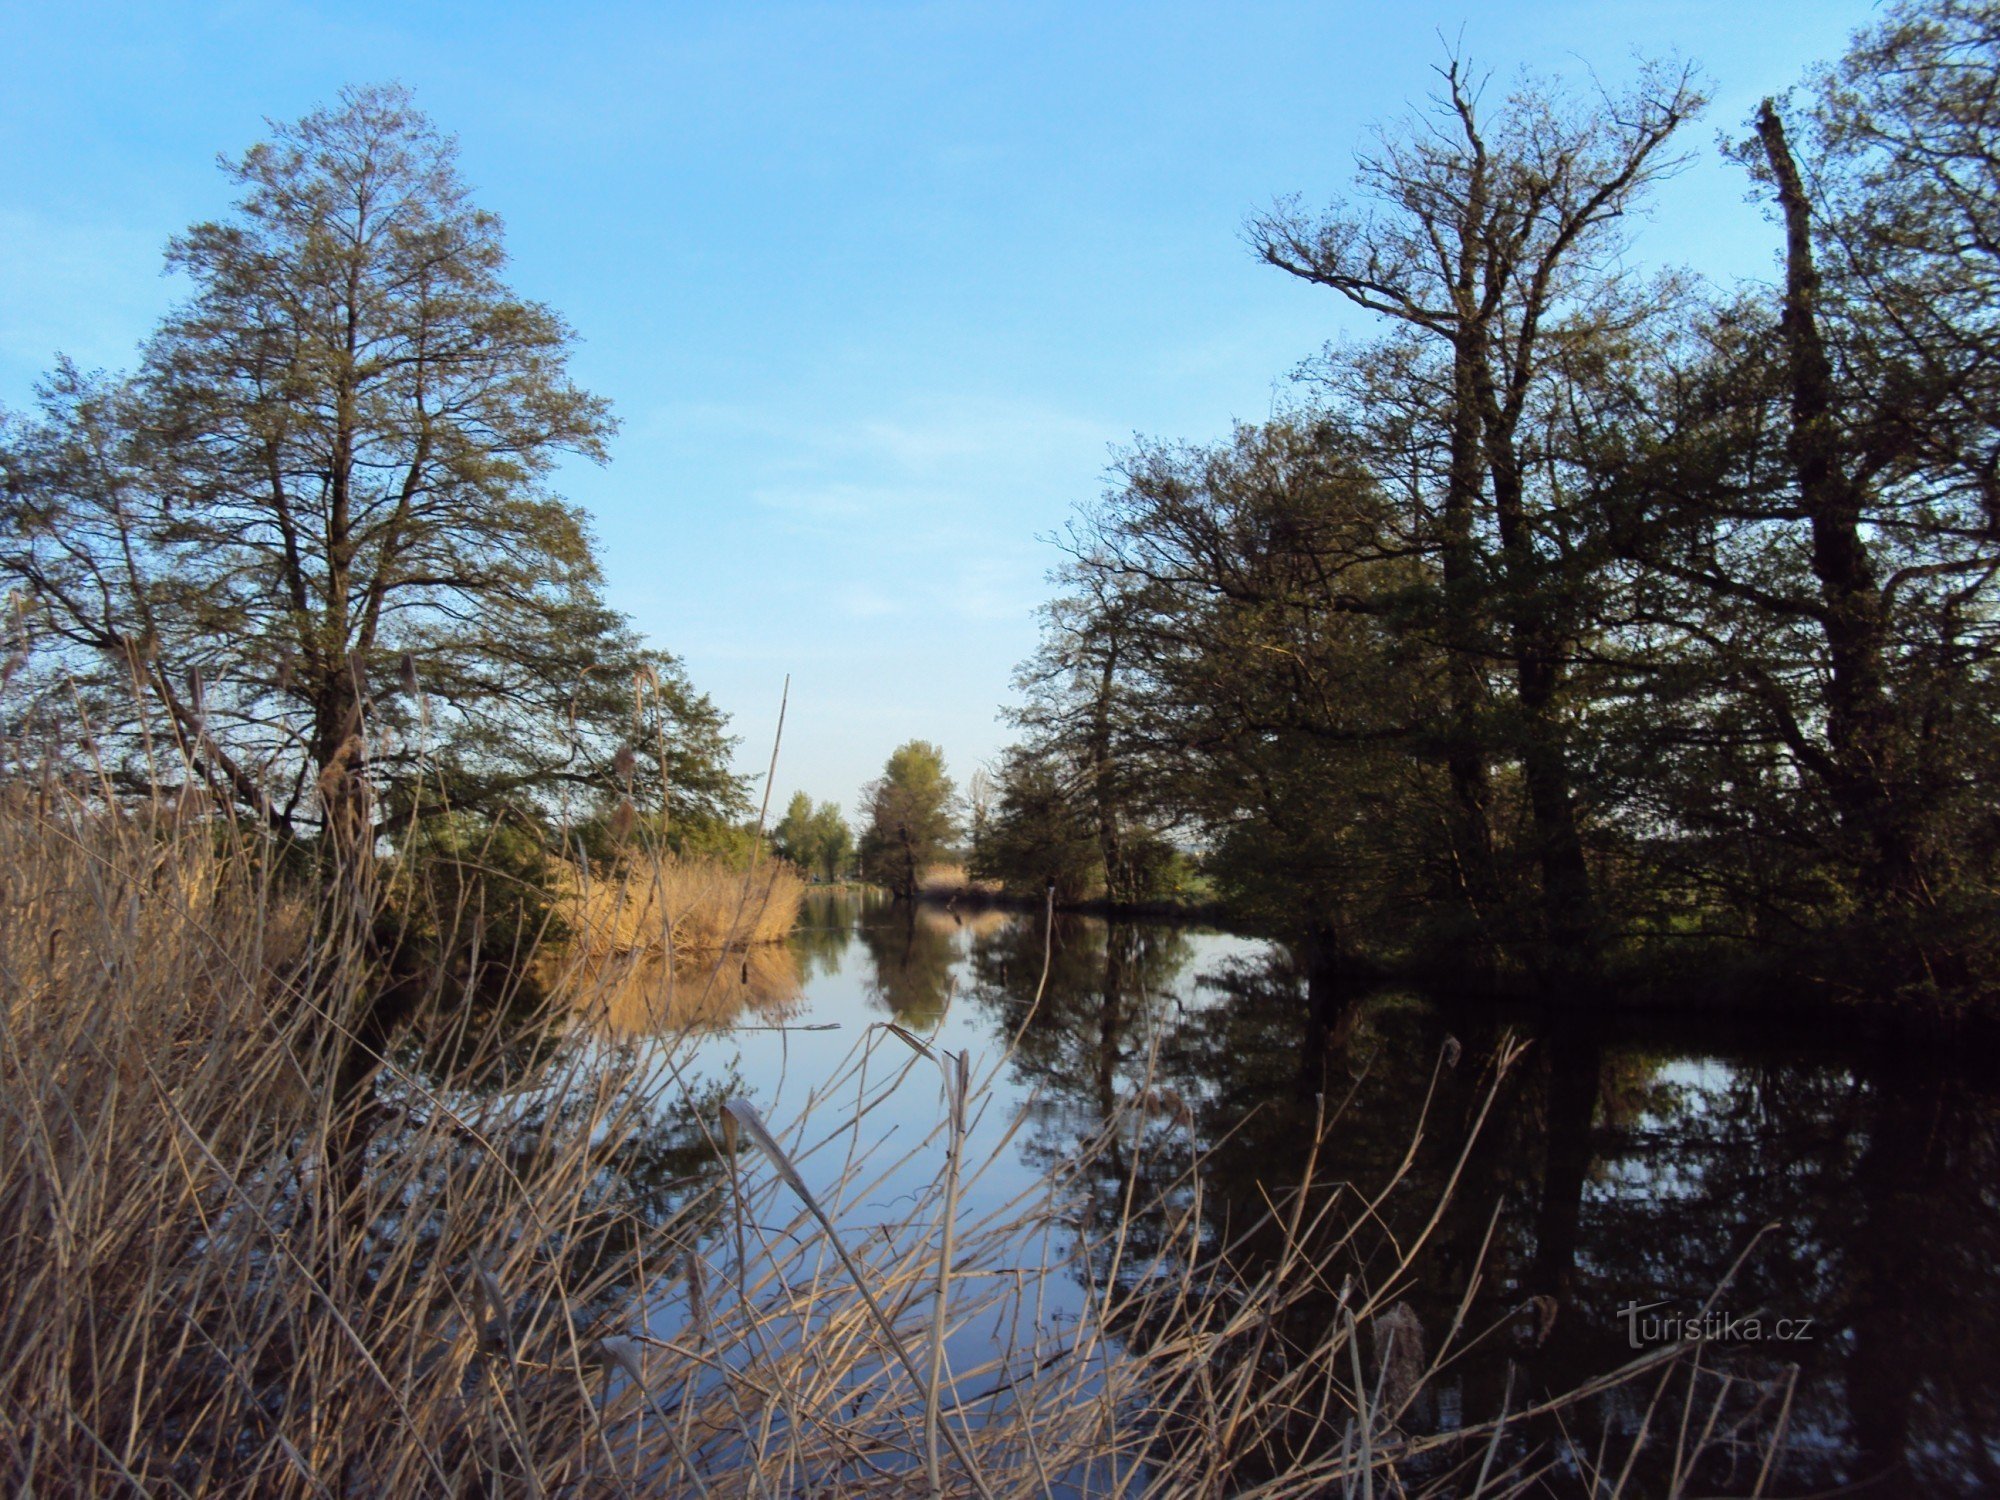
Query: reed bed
(482, 1262)
(661, 903)
(945, 882)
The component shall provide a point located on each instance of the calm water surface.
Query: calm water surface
(1629, 1165)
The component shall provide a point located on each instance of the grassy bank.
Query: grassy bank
(250, 1251)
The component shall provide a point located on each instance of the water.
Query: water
(1622, 1169)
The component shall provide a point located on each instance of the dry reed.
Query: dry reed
(664, 903)
(945, 882)
(231, 1268)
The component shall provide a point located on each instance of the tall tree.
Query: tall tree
(1808, 478)
(1494, 240)
(793, 837)
(833, 840)
(1890, 328)
(911, 817)
(1266, 690)
(1087, 754)
(1831, 493)
(308, 551)
(1040, 835)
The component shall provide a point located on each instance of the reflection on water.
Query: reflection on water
(1622, 1166)
(645, 994)
(913, 952)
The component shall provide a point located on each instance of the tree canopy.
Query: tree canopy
(912, 817)
(815, 838)
(306, 558)
(1577, 613)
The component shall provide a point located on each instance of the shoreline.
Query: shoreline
(1736, 988)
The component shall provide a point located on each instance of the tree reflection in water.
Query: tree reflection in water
(914, 950)
(1628, 1164)
(825, 930)
(1085, 1050)
(531, 1106)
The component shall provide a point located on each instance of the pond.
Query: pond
(1619, 1172)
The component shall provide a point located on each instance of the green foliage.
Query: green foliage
(307, 555)
(1272, 688)
(912, 811)
(734, 843)
(816, 839)
(792, 837)
(833, 839)
(1040, 834)
(1159, 870)
(1046, 830)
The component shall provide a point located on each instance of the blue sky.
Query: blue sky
(876, 290)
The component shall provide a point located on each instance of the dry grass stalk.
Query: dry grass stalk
(230, 1269)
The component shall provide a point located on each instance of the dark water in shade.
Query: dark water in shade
(1630, 1163)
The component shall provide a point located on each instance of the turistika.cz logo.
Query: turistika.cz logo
(1645, 1325)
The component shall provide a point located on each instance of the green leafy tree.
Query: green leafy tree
(833, 841)
(815, 839)
(911, 818)
(306, 557)
(1267, 682)
(1041, 834)
(792, 837)
(1086, 724)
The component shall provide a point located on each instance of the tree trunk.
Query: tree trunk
(1465, 751)
(1898, 1174)
(1333, 1010)
(1573, 1079)
(1110, 845)
(1111, 1019)
(340, 754)
(1860, 717)
(1569, 908)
